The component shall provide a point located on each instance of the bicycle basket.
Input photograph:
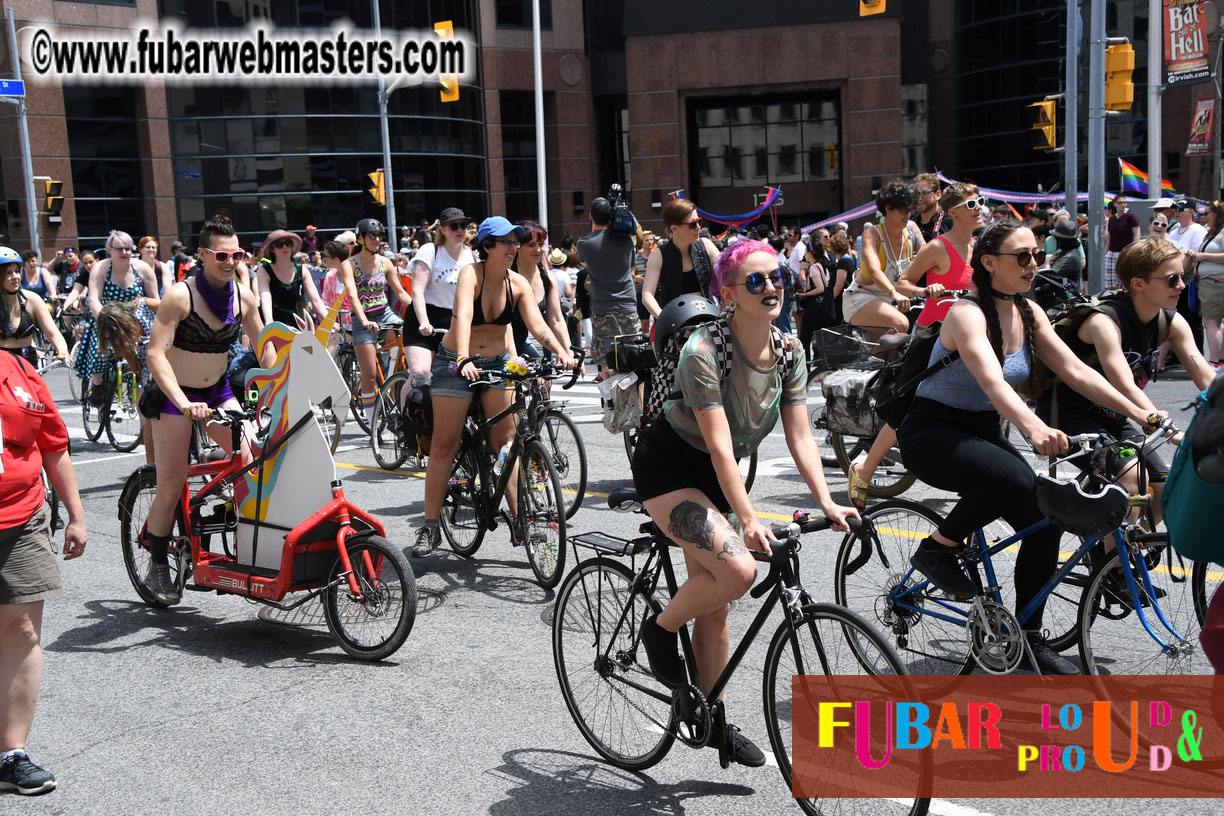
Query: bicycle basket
(846, 347)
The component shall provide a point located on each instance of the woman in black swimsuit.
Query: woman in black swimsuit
(197, 322)
(22, 311)
(476, 341)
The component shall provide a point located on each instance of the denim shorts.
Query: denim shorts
(443, 383)
(385, 319)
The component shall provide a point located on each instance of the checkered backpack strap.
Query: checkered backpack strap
(720, 335)
(787, 351)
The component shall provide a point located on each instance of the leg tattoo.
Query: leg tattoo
(691, 522)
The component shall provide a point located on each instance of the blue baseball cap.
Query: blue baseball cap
(497, 226)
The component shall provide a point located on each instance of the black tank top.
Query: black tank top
(517, 326)
(285, 296)
(675, 281)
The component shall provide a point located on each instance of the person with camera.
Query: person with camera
(608, 257)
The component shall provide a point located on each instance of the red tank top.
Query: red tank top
(958, 276)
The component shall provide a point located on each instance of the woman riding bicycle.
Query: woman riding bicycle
(873, 299)
(22, 311)
(951, 437)
(366, 276)
(683, 265)
(36, 279)
(486, 297)
(944, 262)
(435, 276)
(283, 284)
(686, 473)
(189, 347)
(119, 278)
(531, 265)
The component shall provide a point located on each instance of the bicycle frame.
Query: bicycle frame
(525, 430)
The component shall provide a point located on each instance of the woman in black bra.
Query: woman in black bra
(196, 323)
(23, 311)
(530, 264)
(477, 341)
(681, 266)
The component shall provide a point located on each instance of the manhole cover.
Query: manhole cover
(311, 612)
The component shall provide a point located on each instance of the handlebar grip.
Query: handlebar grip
(577, 372)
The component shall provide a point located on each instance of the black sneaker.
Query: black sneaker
(1116, 590)
(741, 749)
(18, 773)
(663, 653)
(939, 564)
(427, 539)
(1049, 661)
(97, 396)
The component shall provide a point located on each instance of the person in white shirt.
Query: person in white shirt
(1188, 236)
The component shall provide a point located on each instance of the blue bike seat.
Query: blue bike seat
(1088, 515)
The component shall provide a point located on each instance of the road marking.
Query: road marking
(76, 463)
(942, 807)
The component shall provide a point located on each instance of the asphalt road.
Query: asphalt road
(210, 708)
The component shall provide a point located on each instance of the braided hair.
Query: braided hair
(990, 243)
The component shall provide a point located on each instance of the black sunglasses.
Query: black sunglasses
(1025, 255)
(755, 282)
(1171, 280)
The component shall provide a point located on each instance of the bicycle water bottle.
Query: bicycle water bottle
(502, 456)
(1211, 468)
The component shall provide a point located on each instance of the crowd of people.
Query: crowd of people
(469, 295)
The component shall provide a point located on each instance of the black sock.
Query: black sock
(159, 548)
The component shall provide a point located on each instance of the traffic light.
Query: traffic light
(1045, 121)
(870, 7)
(53, 202)
(379, 190)
(1119, 90)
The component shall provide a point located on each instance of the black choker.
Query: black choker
(997, 295)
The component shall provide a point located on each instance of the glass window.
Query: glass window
(517, 14)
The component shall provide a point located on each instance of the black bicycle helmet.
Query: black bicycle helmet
(685, 310)
(366, 225)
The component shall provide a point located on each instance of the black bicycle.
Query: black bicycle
(476, 486)
(632, 720)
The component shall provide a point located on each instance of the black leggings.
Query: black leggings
(964, 452)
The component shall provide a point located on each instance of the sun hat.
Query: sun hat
(280, 234)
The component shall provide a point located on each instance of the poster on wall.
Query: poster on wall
(1200, 128)
(1185, 43)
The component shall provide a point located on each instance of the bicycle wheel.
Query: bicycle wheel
(867, 572)
(619, 707)
(92, 416)
(1112, 637)
(376, 624)
(560, 436)
(816, 415)
(134, 504)
(832, 641)
(463, 518)
(890, 479)
(390, 445)
(123, 427)
(53, 504)
(541, 514)
(78, 389)
(630, 438)
(346, 361)
(748, 469)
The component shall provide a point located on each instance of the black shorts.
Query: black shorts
(1122, 429)
(439, 318)
(663, 462)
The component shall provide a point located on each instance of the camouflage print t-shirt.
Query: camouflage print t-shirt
(751, 397)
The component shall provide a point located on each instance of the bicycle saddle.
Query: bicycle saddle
(1089, 515)
(624, 499)
(894, 341)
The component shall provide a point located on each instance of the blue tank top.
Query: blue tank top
(39, 287)
(956, 387)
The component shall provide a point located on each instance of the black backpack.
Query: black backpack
(893, 387)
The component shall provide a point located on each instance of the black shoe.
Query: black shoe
(663, 653)
(939, 564)
(1049, 661)
(742, 750)
(97, 396)
(18, 773)
(427, 539)
(1116, 591)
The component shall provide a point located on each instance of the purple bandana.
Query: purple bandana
(220, 301)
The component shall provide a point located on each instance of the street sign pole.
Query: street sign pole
(1096, 147)
(23, 126)
(1155, 41)
(1071, 134)
(388, 186)
(541, 175)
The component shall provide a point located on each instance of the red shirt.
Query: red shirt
(958, 276)
(30, 425)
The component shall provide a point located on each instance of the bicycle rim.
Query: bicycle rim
(462, 518)
(619, 707)
(123, 425)
(377, 623)
(560, 436)
(542, 515)
(134, 504)
(387, 439)
(831, 641)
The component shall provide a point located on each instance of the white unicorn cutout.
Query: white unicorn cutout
(295, 480)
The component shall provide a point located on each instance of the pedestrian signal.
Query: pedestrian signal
(379, 190)
(53, 202)
(1119, 89)
(1045, 121)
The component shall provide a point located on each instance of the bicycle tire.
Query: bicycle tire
(53, 504)
(387, 437)
(1112, 639)
(863, 579)
(816, 414)
(809, 647)
(541, 514)
(627, 726)
(890, 479)
(124, 415)
(464, 516)
(94, 417)
(75, 387)
(346, 361)
(388, 602)
(630, 438)
(561, 437)
(134, 502)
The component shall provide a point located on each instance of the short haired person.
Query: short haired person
(1121, 228)
(349, 239)
(683, 264)
(487, 295)
(889, 245)
(1207, 264)
(685, 471)
(188, 357)
(148, 248)
(951, 437)
(36, 279)
(35, 442)
(1124, 341)
(608, 258)
(65, 267)
(928, 212)
(435, 278)
(1188, 236)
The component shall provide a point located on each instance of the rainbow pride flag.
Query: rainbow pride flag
(1135, 181)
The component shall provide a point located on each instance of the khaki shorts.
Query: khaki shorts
(28, 568)
(605, 328)
(1211, 298)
